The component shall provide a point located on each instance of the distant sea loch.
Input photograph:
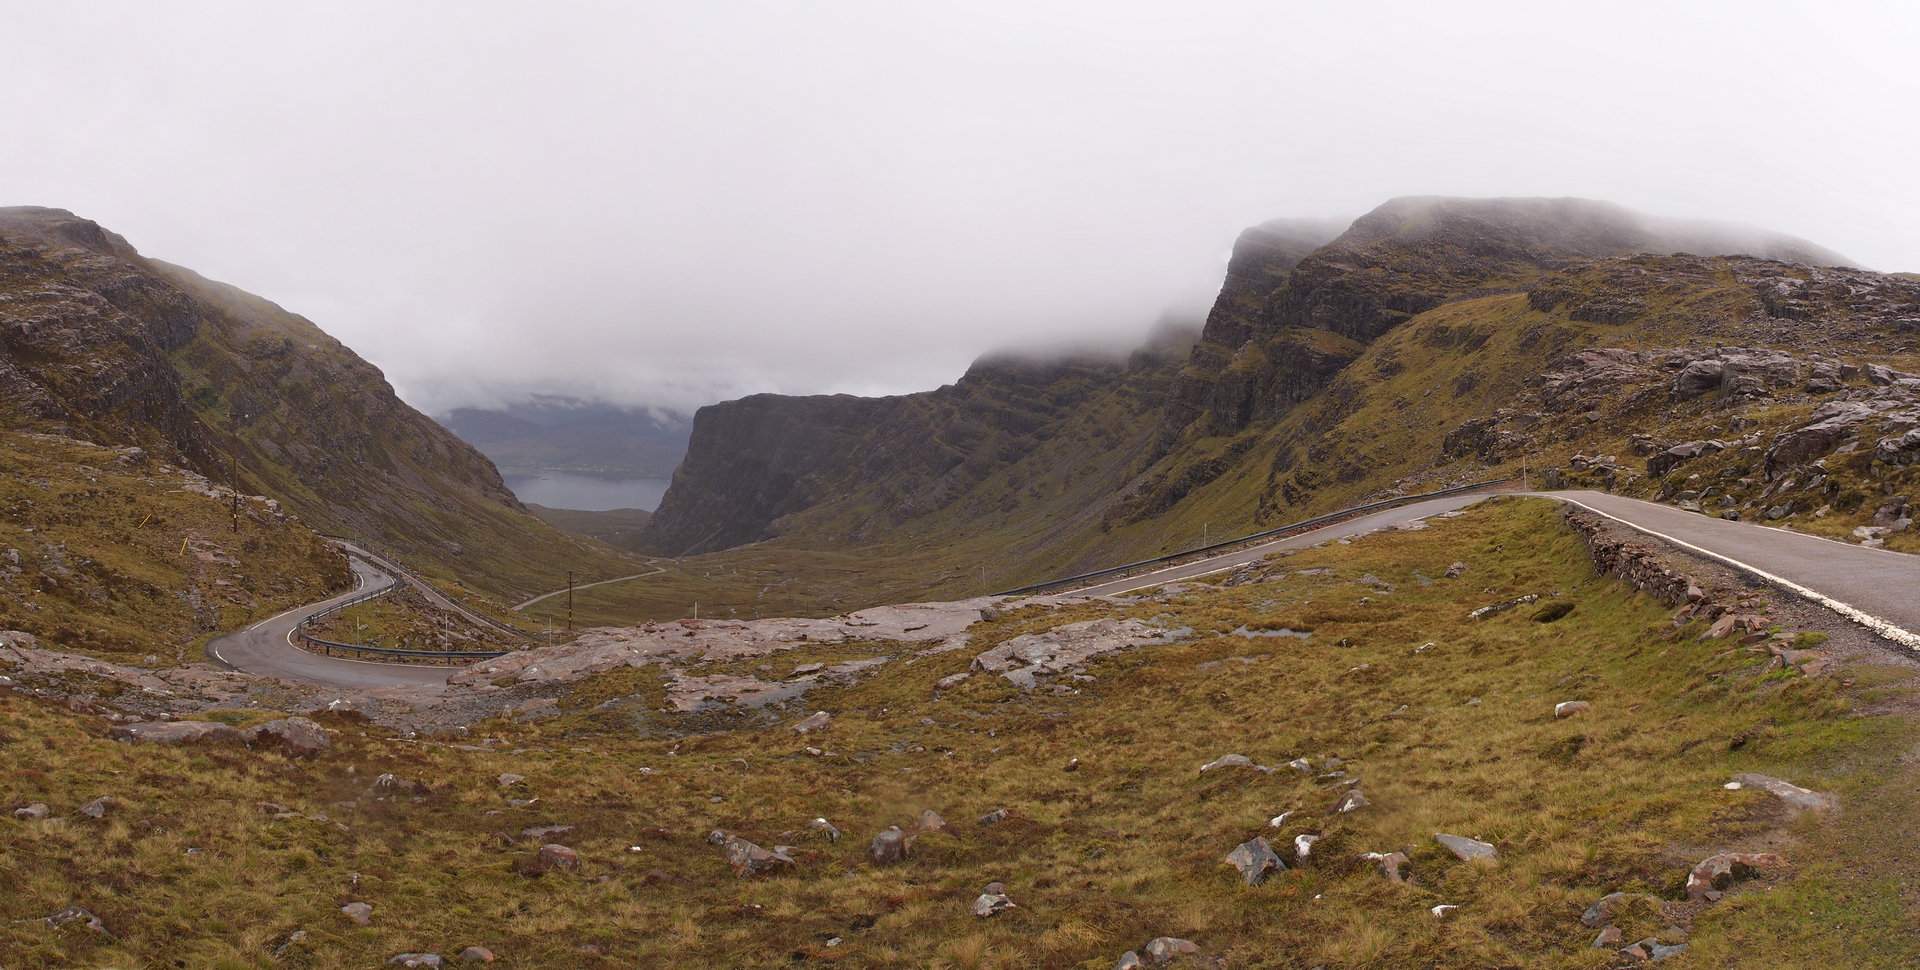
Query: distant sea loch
(565, 490)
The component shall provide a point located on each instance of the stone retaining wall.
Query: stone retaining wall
(1632, 557)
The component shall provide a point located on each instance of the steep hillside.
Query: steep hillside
(852, 469)
(1420, 347)
(103, 344)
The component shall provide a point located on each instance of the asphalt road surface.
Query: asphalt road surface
(267, 648)
(1352, 527)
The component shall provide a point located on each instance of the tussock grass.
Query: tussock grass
(1099, 859)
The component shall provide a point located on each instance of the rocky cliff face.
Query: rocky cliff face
(857, 468)
(103, 344)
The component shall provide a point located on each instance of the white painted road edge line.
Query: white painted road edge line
(1862, 617)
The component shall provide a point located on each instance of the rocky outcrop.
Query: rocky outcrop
(1067, 648)
(173, 733)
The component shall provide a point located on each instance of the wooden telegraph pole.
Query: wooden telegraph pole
(233, 454)
(569, 601)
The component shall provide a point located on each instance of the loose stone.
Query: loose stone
(1255, 860)
(1467, 849)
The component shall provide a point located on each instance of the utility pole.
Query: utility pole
(569, 601)
(233, 454)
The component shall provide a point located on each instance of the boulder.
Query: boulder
(1162, 950)
(554, 857)
(1348, 802)
(994, 817)
(1797, 798)
(1392, 865)
(1303, 846)
(31, 813)
(388, 786)
(930, 821)
(1609, 938)
(360, 913)
(77, 914)
(1697, 378)
(1232, 761)
(1467, 849)
(418, 961)
(1600, 913)
(1829, 425)
(994, 900)
(296, 737)
(1660, 464)
(1712, 877)
(1890, 512)
(510, 780)
(477, 954)
(825, 828)
(888, 847)
(1570, 708)
(1255, 860)
(1900, 449)
(173, 732)
(749, 859)
(1880, 375)
(817, 721)
(1456, 570)
(98, 807)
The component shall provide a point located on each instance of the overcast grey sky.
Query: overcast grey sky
(674, 203)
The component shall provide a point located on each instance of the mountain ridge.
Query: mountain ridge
(1310, 386)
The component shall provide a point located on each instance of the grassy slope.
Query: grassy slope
(619, 528)
(1101, 859)
(108, 555)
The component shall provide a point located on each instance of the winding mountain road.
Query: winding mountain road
(1872, 586)
(1372, 521)
(267, 648)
